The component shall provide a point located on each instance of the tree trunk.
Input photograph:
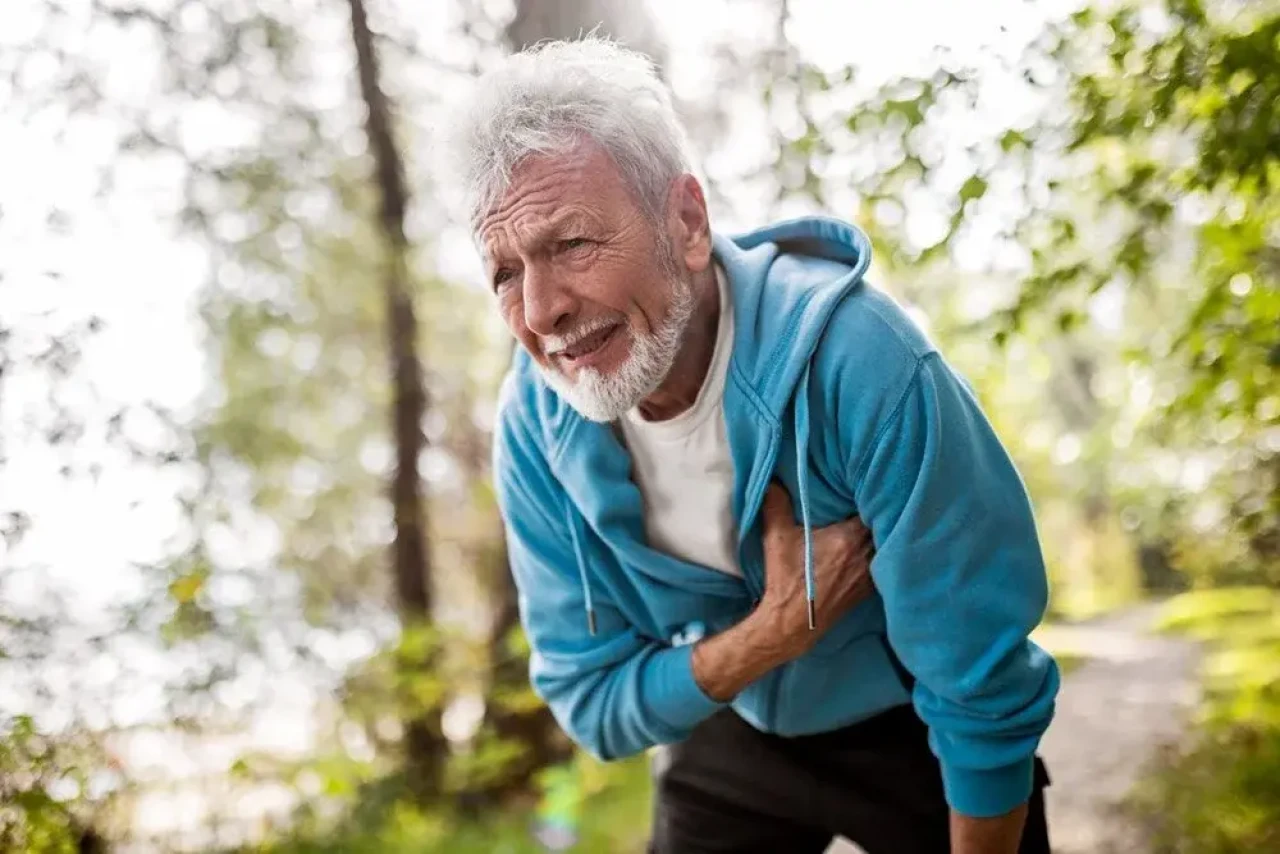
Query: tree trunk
(625, 20)
(425, 745)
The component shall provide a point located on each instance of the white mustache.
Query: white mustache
(554, 344)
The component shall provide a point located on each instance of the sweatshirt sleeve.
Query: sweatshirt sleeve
(959, 567)
(615, 693)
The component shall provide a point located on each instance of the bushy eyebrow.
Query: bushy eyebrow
(558, 224)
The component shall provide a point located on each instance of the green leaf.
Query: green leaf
(185, 588)
(974, 188)
(1012, 139)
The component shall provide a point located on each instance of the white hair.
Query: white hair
(545, 100)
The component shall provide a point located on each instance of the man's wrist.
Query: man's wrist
(785, 629)
(997, 835)
(726, 663)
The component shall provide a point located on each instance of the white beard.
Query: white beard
(603, 397)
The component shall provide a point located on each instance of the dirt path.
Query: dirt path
(1134, 693)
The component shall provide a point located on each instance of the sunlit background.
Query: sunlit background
(206, 639)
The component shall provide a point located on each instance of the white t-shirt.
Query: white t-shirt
(683, 468)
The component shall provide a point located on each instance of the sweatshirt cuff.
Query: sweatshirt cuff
(678, 700)
(985, 793)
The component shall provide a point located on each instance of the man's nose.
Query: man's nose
(548, 304)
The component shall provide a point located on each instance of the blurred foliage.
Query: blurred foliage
(45, 798)
(1219, 798)
(602, 807)
(1221, 794)
(1133, 287)
(1241, 626)
(31, 818)
(1182, 118)
(1102, 266)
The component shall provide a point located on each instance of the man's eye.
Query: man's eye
(573, 243)
(501, 276)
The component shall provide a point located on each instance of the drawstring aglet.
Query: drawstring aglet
(813, 622)
(591, 621)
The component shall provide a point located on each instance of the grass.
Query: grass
(1220, 797)
(1222, 794)
(607, 806)
(1068, 661)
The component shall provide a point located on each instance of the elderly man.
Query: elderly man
(694, 434)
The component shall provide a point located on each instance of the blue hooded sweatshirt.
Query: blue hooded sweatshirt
(834, 392)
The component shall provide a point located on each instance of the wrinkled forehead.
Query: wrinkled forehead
(548, 193)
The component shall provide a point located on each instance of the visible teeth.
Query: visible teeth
(585, 344)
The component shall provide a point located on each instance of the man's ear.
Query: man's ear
(688, 223)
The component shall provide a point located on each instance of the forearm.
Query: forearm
(725, 664)
(1000, 834)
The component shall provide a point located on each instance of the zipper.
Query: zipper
(755, 575)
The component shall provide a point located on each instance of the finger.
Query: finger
(778, 513)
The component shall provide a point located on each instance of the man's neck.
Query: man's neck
(680, 389)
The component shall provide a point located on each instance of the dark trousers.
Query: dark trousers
(731, 788)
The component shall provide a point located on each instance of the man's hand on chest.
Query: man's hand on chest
(778, 630)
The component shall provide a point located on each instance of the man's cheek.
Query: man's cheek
(512, 317)
(532, 345)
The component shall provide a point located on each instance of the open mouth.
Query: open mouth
(587, 346)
